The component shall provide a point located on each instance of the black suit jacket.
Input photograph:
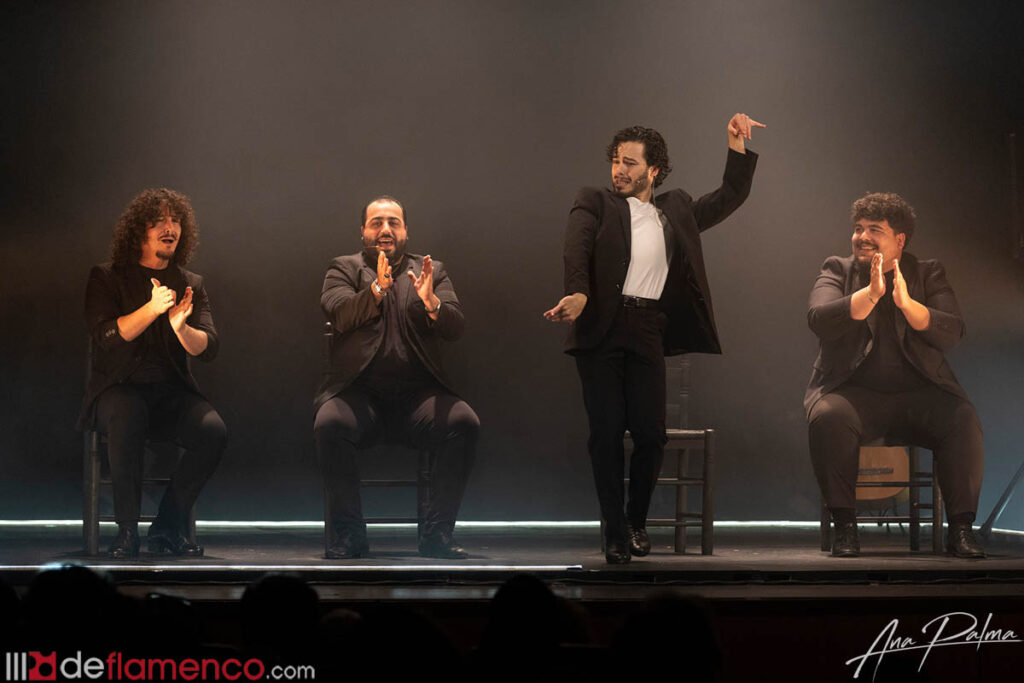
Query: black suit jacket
(348, 303)
(597, 254)
(846, 342)
(108, 296)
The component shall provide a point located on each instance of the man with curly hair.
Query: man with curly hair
(885, 319)
(636, 291)
(146, 317)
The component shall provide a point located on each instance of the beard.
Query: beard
(634, 188)
(397, 250)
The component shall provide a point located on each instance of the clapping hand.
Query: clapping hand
(177, 315)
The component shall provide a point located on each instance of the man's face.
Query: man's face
(161, 238)
(384, 230)
(631, 176)
(871, 237)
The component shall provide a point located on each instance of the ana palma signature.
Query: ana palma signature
(947, 630)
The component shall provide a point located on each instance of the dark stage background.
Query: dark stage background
(281, 119)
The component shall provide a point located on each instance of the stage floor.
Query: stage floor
(779, 603)
(759, 559)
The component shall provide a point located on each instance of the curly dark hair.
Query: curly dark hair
(886, 206)
(655, 149)
(145, 209)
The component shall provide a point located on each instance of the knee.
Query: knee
(965, 419)
(331, 428)
(463, 422)
(213, 433)
(832, 422)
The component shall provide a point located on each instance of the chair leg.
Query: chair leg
(915, 498)
(328, 528)
(937, 511)
(424, 466)
(824, 528)
(91, 493)
(682, 469)
(707, 521)
(191, 524)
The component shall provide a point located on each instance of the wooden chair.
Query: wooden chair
(96, 476)
(889, 474)
(682, 441)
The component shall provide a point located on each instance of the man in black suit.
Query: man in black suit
(885, 320)
(385, 379)
(147, 316)
(636, 291)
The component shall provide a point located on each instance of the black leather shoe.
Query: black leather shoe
(639, 543)
(348, 550)
(442, 547)
(172, 543)
(961, 542)
(844, 540)
(616, 551)
(126, 545)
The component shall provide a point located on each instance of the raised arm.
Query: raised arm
(715, 206)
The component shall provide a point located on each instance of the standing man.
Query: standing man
(884, 320)
(636, 291)
(385, 380)
(146, 316)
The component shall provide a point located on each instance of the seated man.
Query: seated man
(146, 316)
(885, 319)
(385, 379)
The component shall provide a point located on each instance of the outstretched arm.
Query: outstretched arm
(576, 255)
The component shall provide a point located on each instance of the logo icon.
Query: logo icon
(43, 667)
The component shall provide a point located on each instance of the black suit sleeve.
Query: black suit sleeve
(202, 319)
(946, 327)
(716, 206)
(584, 217)
(450, 322)
(828, 313)
(342, 301)
(102, 311)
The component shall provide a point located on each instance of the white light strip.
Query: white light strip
(323, 567)
(579, 524)
(212, 524)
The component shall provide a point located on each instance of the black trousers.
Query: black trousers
(425, 418)
(624, 388)
(945, 424)
(128, 414)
